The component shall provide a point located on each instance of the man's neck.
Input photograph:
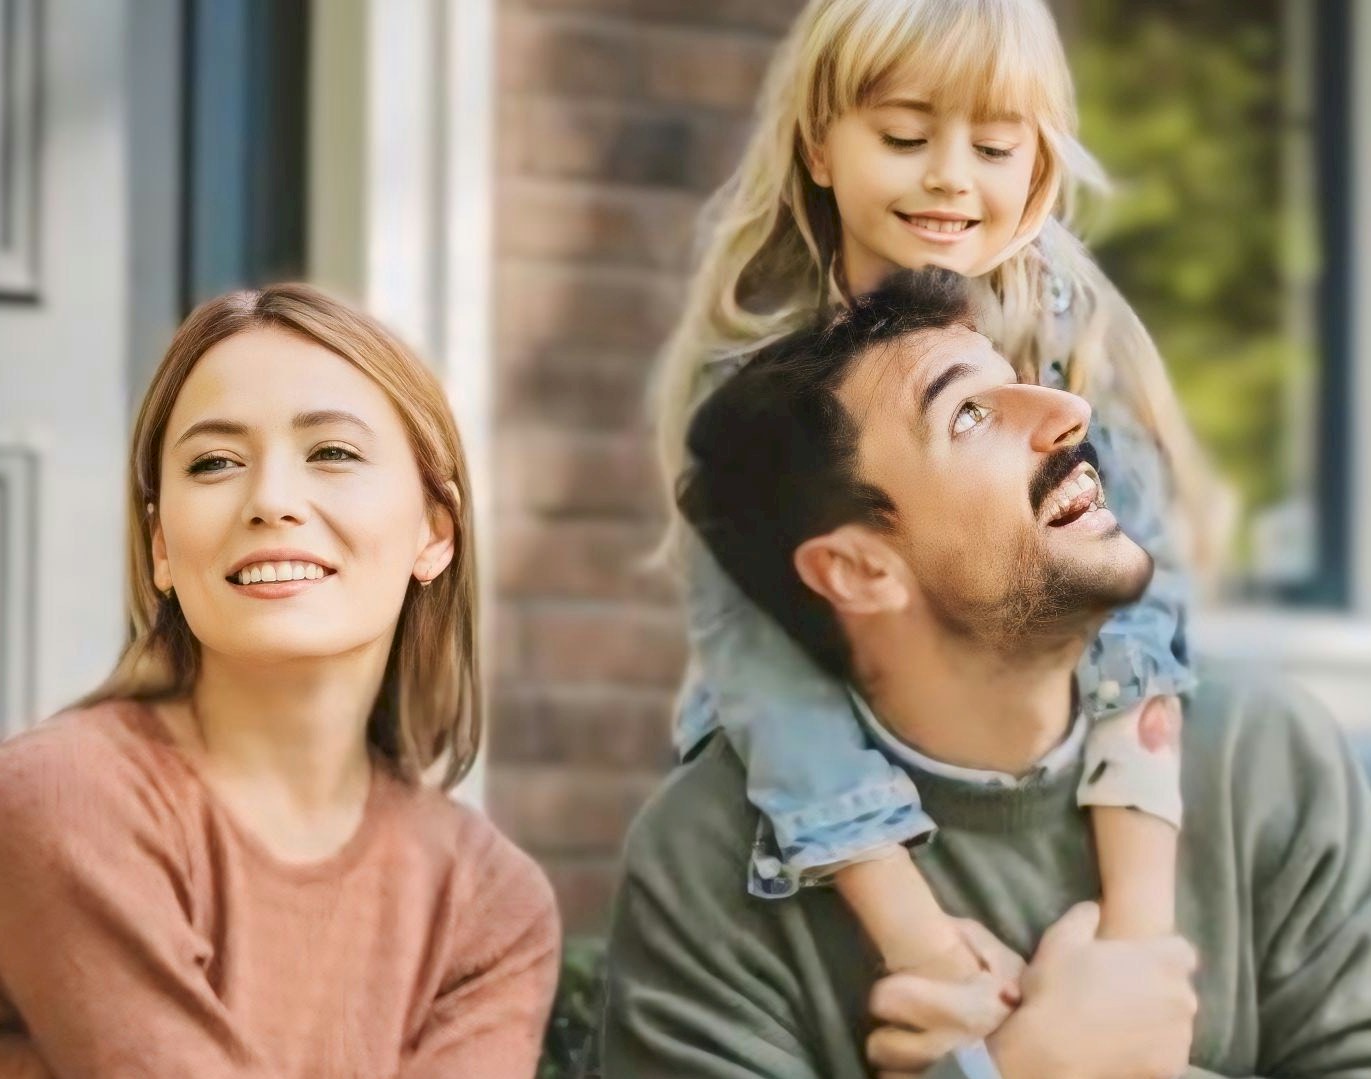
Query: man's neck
(965, 704)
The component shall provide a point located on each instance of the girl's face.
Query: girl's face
(292, 514)
(918, 186)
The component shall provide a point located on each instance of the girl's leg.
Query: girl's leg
(902, 917)
(1132, 788)
(1137, 854)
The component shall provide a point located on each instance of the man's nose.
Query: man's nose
(275, 495)
(1056, 419)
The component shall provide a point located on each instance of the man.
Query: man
(930, 530)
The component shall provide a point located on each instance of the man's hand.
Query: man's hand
(926, 1016)
(1100, 1009)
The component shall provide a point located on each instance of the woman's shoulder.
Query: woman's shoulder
(461, 841)
(109, 759)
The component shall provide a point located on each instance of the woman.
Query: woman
(225, 861)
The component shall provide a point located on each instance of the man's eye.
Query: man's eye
(968, 416)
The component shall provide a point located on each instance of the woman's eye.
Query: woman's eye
(968, 416)
(902, 144)
(333, 453)
(995, 152)
(209, 464)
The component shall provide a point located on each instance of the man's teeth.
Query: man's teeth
(938, 224)
(1085, 483)
(280, 571)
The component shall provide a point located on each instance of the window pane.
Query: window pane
(1203, 116)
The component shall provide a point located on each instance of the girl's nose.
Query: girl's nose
(947, 172)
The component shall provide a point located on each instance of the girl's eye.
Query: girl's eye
(968, 416)
(333, 453)
(209, 464)
(995, 152)
(902, 144)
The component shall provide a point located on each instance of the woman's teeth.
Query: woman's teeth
(939, 224)
(280, 571)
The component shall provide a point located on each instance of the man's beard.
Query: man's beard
(1048, 598)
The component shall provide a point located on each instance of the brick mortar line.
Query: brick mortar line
(632, 106)
(630, 274)
(636, 19)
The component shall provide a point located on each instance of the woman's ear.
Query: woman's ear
(855, 570)
(437, 552)
(161, 567)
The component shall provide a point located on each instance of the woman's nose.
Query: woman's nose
(275, 495)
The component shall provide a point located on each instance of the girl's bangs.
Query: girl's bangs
(992, 58)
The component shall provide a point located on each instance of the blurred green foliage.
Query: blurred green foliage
(567, 1047)
(1186, 105)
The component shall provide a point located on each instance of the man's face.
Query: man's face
(1000, 513)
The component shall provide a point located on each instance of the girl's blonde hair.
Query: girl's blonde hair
(429, 705)
(771, 237)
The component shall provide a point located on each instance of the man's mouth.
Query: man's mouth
(1079, 494)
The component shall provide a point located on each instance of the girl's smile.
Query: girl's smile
(920, 184)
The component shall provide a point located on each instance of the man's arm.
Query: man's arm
(1311, 894)
(699, 984)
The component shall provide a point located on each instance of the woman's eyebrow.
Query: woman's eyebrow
(213, 427)
(318, 418)
(323, 416)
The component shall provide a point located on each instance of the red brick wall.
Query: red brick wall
(616, 118)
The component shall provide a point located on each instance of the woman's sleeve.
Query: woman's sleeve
(489, 1018)
(97, 953)
(1141, 651)
(827, 795)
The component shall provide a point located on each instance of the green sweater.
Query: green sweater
(1275, 892)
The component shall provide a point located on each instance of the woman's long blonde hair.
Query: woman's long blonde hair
(770, 254)
(429, 706)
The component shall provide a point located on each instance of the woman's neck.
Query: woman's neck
(295, 729)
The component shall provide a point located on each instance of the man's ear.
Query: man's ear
(855, 570)
(816, 161)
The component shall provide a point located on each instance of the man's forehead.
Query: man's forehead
(886, 369)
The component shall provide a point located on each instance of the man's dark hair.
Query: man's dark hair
(774, 453)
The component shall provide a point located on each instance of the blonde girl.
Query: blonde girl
(899, 134)
(229, 861)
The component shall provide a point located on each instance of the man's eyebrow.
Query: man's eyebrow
(941, 382)
(318, 418)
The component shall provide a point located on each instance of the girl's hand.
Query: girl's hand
(924, 1019)
(925, 1014)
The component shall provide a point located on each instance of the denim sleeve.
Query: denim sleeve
(826, 795)
(1141, 651)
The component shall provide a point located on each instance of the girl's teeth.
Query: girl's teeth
(937, 224)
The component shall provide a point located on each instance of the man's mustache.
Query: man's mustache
(1056, 468)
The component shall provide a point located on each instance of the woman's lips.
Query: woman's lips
(277, 589)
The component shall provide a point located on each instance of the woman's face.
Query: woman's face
(292, 514)
(921, 186)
